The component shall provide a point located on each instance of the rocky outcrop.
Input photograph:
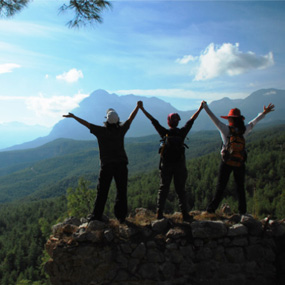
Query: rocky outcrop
(167, 251)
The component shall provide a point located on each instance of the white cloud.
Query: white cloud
(186, 59)
(270, 93)
(229, 60)
(71, 76)
(226, 59)
(41, 110)
(8, 67)
(53, 106)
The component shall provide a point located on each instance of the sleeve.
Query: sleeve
(223, 128)
(161, 130)
(94, 129)
(187, 127)
(125, 126)
(253, 122)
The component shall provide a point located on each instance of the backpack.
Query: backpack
(172, 148)
(234, 153)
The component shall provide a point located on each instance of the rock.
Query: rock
(149, 271)
(226, 209)
(160, 226)
(108, 234)
(142, 212)
(95, 225)
(208, 229)
(254, 226)
(72, 221)
(237, 230)
(168, 270)
(278, 229)
(171, 253)
(175, 233)
(235, 254)
(140, 251)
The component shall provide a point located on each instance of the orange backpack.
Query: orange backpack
(234, 153)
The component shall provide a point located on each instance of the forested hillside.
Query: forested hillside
(49, 170)
(25, 225)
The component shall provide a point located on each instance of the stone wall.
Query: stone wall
(167, 251)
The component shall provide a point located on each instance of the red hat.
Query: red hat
(173, 120)
(233, 113)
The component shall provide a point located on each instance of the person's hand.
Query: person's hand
(140, 104)
(69, 115)
(204, 103)
(268, 109)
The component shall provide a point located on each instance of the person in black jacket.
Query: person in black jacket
(113, 161)
(172, 162)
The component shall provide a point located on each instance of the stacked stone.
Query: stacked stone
(166, 252)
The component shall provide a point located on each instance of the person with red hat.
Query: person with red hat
(233, 153)
(172, 160)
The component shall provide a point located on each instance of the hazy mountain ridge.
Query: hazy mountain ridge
(16, 132)
(93, 109)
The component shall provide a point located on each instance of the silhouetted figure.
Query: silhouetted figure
(113, 161)
(233, 153)
(172, 160)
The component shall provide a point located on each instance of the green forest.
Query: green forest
(67, 177)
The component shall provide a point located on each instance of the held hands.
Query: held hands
(140, 104)
(268, 109)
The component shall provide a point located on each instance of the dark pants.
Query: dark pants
(178, 171)
(120, 173)
(223, 178)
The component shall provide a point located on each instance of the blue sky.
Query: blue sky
(179, 51)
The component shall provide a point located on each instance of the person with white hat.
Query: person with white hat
(113, 161)
(233, 153)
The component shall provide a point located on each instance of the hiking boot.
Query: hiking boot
(159, 215)
(187, 218)
(93, 218)
(122, 220)
(210, 211)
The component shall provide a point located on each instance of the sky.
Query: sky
(179, 51)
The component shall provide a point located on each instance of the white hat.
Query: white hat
(112, 116)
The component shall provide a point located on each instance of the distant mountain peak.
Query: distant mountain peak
(93, 109)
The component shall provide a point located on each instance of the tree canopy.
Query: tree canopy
(85, 12)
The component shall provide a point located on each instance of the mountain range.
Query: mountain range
(13, 133)
(93, 109)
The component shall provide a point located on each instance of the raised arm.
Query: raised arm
(148, 115)
(79, 120)
(268, 109)
(258, 118)
(223, 128)
(134, 113)
(194, 117)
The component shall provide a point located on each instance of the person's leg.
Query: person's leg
(180, 176)
(121, 202)
(165, 180)
(223, 178)
(239, 176)
(104, 181)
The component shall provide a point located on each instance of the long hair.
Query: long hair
(239, 124)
